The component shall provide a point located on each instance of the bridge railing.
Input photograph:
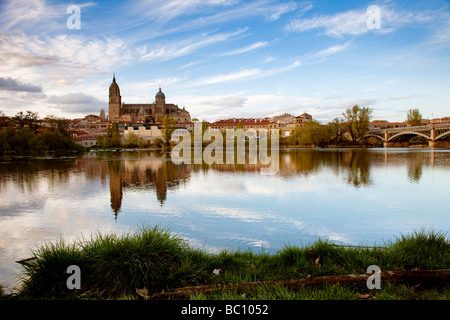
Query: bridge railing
(418, 128)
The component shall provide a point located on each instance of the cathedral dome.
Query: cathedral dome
(160, 94)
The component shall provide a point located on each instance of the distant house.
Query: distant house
(376, 125)
(86, 140)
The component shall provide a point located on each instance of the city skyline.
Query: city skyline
(225, 58)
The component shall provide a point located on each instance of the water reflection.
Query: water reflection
(316, 193)
(153, 171)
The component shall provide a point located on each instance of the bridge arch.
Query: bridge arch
(410, 133)
(442, 135)
(373, 135)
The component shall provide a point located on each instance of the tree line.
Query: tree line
(350, 129)
(24, 135)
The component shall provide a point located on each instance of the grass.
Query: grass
(113, 267)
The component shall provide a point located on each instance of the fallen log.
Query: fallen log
(426, 278)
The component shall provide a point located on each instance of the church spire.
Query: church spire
(114, 77)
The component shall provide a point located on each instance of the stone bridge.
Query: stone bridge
(399, 137)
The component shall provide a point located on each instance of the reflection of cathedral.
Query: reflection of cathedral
(145, 174)
(142, 112)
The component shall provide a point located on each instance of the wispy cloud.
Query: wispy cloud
(281, 9)
(354, 22)
(330, 51)
(254, 46)
(165, 11)
(244, 74)
(186, 46)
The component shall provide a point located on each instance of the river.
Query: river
(348, 196)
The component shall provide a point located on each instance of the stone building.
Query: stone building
(143, 112)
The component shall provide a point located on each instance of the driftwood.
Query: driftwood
(424, 278)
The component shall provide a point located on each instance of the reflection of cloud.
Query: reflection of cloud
(252, 242)
(235, 188)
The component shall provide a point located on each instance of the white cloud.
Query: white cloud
(280, 9)
(184, 47)
(244, 74)
(331, 51)
(254, 46)
(354, 22)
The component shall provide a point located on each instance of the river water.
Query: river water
(348, 196)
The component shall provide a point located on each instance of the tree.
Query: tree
(27, 120)
(169, 125)
(337, 130)
(113, 135)
(58, 124)
(205, 126)
(357, 121)
(414, 118)
(131, 140)
(4, 120)
(312, 133)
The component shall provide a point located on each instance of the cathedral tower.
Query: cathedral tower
(115, 101)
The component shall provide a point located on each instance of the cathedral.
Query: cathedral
(143, 112)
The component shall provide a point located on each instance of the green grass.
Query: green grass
(113, 267)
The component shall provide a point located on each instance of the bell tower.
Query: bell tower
(115, 101)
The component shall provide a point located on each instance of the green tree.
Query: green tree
(131, 140)
(337, 130)
(169, 125)
(4, 120)
(205, 126)
(27, 120)
(414, 118)
(357, 121)
(113, 136)
(312, 133)
(58, 124)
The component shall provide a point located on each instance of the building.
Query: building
(152, 132)
(374, 125)
(149, 113)
(86, 140)
(286, 123)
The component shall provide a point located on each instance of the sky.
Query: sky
(227, 58)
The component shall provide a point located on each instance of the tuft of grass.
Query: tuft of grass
(423, 250)
(115, 266)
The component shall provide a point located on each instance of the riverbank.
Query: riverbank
(152, 260)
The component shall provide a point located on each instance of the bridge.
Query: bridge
(399, 137)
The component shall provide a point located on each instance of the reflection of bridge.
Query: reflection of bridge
(393, 137)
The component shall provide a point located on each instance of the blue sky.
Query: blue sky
(227, 58)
